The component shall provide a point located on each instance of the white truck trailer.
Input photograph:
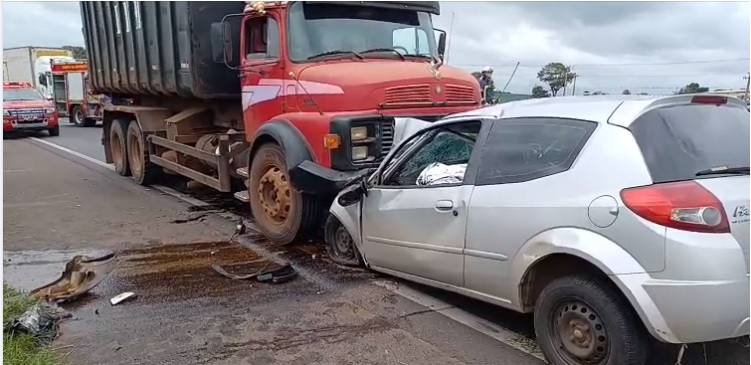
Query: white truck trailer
(32, 65)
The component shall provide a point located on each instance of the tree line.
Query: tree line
(556, 76)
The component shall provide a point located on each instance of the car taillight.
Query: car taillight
(684, 205)
(709, 99)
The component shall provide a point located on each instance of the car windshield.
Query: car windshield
(679, 141)
(318, 29)
(21, 95)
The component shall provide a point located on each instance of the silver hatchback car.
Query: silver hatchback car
(608, 217)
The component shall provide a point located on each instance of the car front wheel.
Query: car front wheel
(581, 320)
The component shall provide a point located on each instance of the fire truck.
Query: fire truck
(26, 109)
(72, 93)
(247, 97)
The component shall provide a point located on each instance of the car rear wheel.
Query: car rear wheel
(581, 320)
(339, 244)
(118, 148)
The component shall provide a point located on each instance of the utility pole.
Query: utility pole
(565, 81)
(748, 83)
(573, 88)
(448, 41)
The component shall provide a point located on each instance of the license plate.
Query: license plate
(30, 125)
(30, 117)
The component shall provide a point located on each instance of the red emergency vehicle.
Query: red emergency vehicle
(25, 109)
(72, 93)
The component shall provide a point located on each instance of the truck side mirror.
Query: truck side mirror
(441, 43)
(42, 79)
(224, 36)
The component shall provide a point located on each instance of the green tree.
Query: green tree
(626, 92)
(79, 53)
(599, 93)
(556, 75)
(539, 92)
(693, 88)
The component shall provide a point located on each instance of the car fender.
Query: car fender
(349, 217)
(622, 268)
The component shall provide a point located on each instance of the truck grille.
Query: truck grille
(408, 94)
(459, 93)
(387, 139)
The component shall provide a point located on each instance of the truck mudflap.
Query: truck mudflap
(311, 178)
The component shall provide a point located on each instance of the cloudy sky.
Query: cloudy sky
(653, 47)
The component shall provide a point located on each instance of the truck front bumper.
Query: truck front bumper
(311, 178)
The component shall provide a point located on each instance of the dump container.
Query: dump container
(159, 48)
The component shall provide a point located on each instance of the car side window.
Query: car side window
(524, 149)
(440, 159)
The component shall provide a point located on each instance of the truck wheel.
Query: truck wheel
(141, 169)
(580, 320)
(339, 244)
(283, 214)
(118, 147)
(76, 116)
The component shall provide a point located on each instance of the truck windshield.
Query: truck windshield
(21, 94)
(316, 29)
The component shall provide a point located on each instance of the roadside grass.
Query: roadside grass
(21, 349)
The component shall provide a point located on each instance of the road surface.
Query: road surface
(59, 202)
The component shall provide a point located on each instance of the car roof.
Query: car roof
(616, 109)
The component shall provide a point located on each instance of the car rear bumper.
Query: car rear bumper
(693, 311)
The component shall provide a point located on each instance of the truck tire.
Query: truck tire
(76, 116)
(283, 214)
(118, 147)
(141, 169)
(582, 320)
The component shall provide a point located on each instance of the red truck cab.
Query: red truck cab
(26, 109)
(259, 99)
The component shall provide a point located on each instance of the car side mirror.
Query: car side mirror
(441, 44)
(352, 194)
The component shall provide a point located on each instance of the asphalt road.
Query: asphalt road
(58, 204)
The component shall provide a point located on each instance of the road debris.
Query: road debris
(81, 274)
(123, 297)
(270, 272)
(221, 271)
(40, 322)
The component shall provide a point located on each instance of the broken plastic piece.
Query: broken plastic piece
(279, 275)
(81, 274)
(221, 271)
(40, 322)
(120, 298)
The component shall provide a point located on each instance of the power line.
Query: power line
(645, 76)
(594, 65)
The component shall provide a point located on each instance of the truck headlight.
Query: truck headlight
(359, 133)
(359, 153)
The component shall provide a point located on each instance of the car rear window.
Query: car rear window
(679, 141)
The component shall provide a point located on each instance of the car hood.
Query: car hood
(21, 104)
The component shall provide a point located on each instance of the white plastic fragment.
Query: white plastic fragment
(122, 297)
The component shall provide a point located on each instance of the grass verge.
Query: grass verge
(21, 349)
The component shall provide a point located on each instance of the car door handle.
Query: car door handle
(444, 205)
